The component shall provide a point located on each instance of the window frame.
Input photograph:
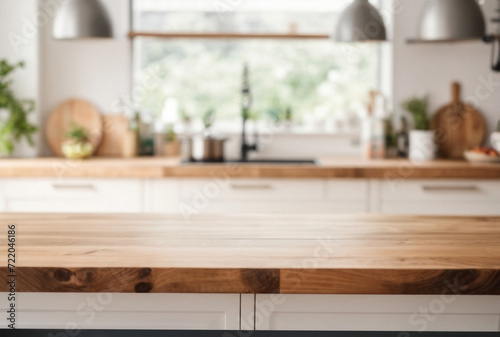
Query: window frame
(383, 77)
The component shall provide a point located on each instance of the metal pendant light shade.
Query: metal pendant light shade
(82, 19)
(360, 22)
(451, 20)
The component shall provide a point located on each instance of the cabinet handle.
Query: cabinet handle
(251, 187)
(73, 187)
(470, 188)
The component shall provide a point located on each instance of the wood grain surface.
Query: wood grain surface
(310, 254)
(459, 127)
(172, 167)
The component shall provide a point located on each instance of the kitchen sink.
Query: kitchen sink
(261, 161)
(275, 161)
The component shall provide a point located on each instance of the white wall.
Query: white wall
(96, 70)
(19, 42)
(431, 68)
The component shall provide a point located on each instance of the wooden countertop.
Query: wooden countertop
(327, 168)
(310, 254)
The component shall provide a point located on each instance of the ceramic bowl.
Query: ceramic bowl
(475, 157)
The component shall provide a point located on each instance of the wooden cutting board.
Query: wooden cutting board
(69, 113)
(115, 130)
(459, 127)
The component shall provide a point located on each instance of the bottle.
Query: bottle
(373, 130)
(403, 140)
(130, 145)
(147, 141)
(390, 139)
(373, 138)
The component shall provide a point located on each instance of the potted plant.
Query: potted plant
(171, 147)
(422, 138)
(187, 121)
(14, 124)
(78, 145)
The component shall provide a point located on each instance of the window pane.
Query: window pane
(306, 76)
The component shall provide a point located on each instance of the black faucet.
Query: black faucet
(245, 147)
(246, 103)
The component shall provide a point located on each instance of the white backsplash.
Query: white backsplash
(288, 146)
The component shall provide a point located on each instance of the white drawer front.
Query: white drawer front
(347, 189)
(72, 195)
(162, 196)
(377, 312)
(253, 189)
(285, 196)
(441, 190)
(126, 311)
(440, 197)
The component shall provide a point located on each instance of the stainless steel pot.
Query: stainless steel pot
(206, 149)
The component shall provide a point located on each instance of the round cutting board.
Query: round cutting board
(69, 113)
(459, 127)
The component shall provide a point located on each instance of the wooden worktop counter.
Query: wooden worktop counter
(327, 168)
(308, 254)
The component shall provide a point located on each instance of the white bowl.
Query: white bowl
(495, 140)
(475, 157)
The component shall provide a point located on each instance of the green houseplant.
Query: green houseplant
(418, 107)
(78, 145)
(422, 138)
(15, 125)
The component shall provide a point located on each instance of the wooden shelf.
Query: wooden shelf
(134, 34)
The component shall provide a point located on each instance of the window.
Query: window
(197, 50)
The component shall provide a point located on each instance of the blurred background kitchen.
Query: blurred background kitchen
(308, 91)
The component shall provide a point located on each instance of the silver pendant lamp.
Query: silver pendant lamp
(451, 20)
(494, 39)
(458, 20)
(360, 22)
(82, 19)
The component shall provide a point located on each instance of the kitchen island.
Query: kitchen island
(309, 254)
(310, 269)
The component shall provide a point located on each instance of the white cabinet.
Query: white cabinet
(74, 311)
(258, 195)
(247, 312)
(440, 197)
(71, 195)
(377, 312)
(251, 195)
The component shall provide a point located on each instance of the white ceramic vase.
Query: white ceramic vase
(495, 140)
(422, 145)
